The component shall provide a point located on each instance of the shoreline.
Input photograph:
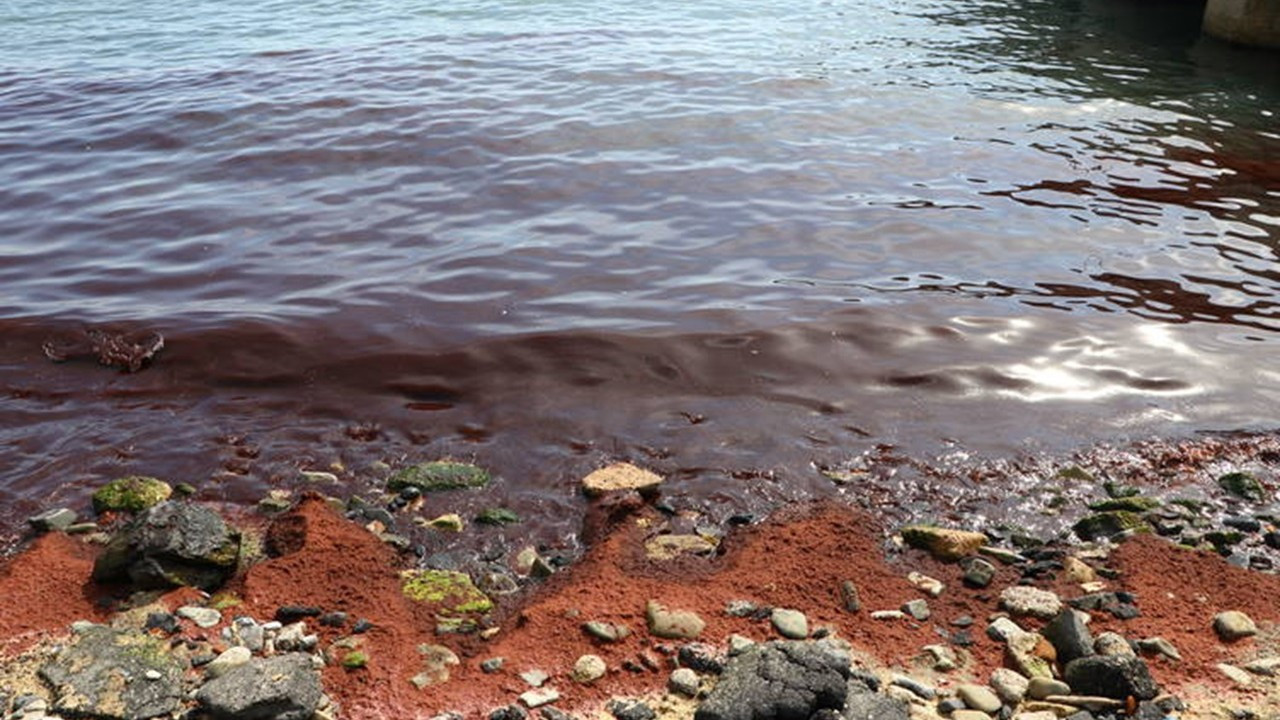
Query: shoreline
(800, 559)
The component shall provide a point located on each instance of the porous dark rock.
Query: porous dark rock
(171, 544)
(284, 687)
(629, 709)
(1111, 676)
(783, 680)
(114, 675)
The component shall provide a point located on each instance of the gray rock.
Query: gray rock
(673, 624)
(1041, 688)
(606, 631)
(249, 633)
(1024, 600)
(114, 675)
(979, 698)
(203, 617)
(55, 519)
(171, 544)
(970, 715)
(230, 659)
(701, 657)
(791, 624)
(589, 668)
(915, 687)
(492, 665)
(739, 644)
(918, 609)
(874, 706)
(628, 709)
(1109, 643)
(1069, 635)
(1110, 676)
(786, 680)
(977, 572)
(285, 687)
(535, 677)
(539, 697)
(684, 682)
(1159, 646)
(510, 712)
(1010, 685)
(1002, 629)
(1233, 625)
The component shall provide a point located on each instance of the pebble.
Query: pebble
(1002, 629)
(1233, 625)
(608, 632)
(492, 665)
(918, 609)
(201, 616)
(950, 705)
(700, 657)
(1036, 715)
(361, 626)
(739, 644)
(56, 519)
(1041, 687)
(673, 624)
(933, 586)
(1269, 666)
(944, 658)
(978, 572)
(1235, 674)
(1159, 646)
(1109, 643)
(588, 669)
(1024, 600)
(626, 709)
(153, 674)
(917, 688)
(849, 597)
(535, 677)
(978, 697)
(230, 659)
(1009, 685)
(539, 697)
(789, 623)
(684, 682)
(888, 615)
(740, 608)
(1077, 570)
(1008, 557)
(970, 715)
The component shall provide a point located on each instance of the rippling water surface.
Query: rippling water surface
(724, 239)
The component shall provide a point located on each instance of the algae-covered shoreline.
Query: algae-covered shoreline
(664, 613)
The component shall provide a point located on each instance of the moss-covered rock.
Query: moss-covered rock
(171, 544)
(1106, 524)
(943, 543)
(1074, 472)
(497, 516)
(439, 475)
(355, 660)
(452, 591)
(1243, 485)
(1132, 503)
(134, 494)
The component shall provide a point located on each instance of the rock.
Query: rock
(293, 613)
(114, 675)
(849, 597)
(588, 669)
(453, 591)
(535, 677)
(1077, 570)
(919, 689)
(1132, 503)
(701, 657)
(497, 516)
(672, 624)
(933, 586)
(683, 681)
(1235, 674)
(1069, 703)
(1010, 685)
(1109, 643)
(1069, 634)
(1002, 629)
(669, 547)
(629, 709)
(202, 616)
(132, 494)
(439, 475)
(608, 632)
(551, 713)
(539, 697)
(918, 609)
(293, 637)
(1269, 666)
(171, 544)
(1107, 524)
(510, 712)
(864, 705)
(979, 698)
(1110, 676)
(791, 624)
(970, 715)
(780, 679)
(436, 663)
(1043, 687)
(620, 476)
(978, 573)
(943, 543)
(1024, 654)
(888, 615)
(1024, 600)
(230, 659)
(1243, 485)
(55, 519)
(248, 633)
(739, 644)
(1233, 625)
(741, 608)
(492, 665)
(449, 522)
(1006, 557)
(1037, 715)
(943, 658)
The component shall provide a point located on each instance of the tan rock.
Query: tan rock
(620, 476)
(667, 547)
(1077, 570)
(943, 543)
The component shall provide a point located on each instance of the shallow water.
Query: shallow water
(726, 240)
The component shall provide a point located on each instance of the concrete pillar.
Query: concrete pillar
(1247, 22)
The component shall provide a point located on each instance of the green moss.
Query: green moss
(1243, 485)
(1131, 503)
(134, 494)
(454, 591)
(1224, 538)
(1106, 524)
(497, 516)
(224, 600)
(1118, 491)
(355, 660)
(1188, 503)
(439, 475)
(1075, 472)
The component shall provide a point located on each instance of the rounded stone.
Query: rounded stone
(1233, 625)
(1041, 688)
(1024, 600)
(1009, 685)
(229, 659)
(979, 698)
(789, 623)
(970, 715)
(589, 668)
(683, 681)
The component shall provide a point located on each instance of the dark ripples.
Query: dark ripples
(728, 240)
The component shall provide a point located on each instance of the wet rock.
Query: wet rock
(781, 679)
(1069, 634)
(588, 669)
(497, 516)
(1043, 687)
(669, 547)
(621, 477)
(629, 709)
(55, 519)
(439, 475)
(978, 573)
(132, 494)
(1110, 676)
(1024, 600)
(129, 351)
(979, 698)
(1243, 485)
(1233, 625)
(171, 544)
(791, 624)
(1108, 524)
(849, 597)
(1133, 503)
(943, 543)
(1002, 555)
(114, 675)
(672, 624)
(683, 681)
(1243, 524)
(1010, 685)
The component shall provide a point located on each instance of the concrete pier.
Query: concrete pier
(1247, 22)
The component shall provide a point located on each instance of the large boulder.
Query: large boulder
(782, 680)
(114, 675)
(284, 687)
(171, 544)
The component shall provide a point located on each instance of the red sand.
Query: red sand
(46, 588)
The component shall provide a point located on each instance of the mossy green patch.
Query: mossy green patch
(1117, 490)
(224, 600)
(1074, 472)
(1243, 485)
(134, 494)
(497, 516)
(453, 591)
(1106, 524)
(1135, 503)
(439, 475)
(355, 660)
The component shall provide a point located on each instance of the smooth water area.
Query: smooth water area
(727, 240)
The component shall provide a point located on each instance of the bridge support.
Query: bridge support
(1247, 22)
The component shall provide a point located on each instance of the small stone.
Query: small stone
(1243, 485)
(888, 615)
(1037, 715)
(229, 659)
(608, 632)
(849, 597)
(492, 665)
(1002, 628)
(1088, 702)
(740, 608)
(588, 669)
(978, 573)
(943, 658)
(943, 543)
(789, 623)
(918, 609)
(1159, 646)
(947, 706)
(620, 476)
(700, 657)
(1042, 687)
(739, 644)
(436, 662)
(133, 494)
(979, 698)
(510, 712)
(684, 682)
(55, 519)
(202, 617)
(933, 586)
(672, 624)
(1024, 600)
(162, 621)
(1077, 570)
(361, 626)
(670, 547)
(449, 522)
(1233, 625)
(1269, 666)
(1235, 674)
(1006, 557)
(1009, 685)
(538, 698)
(535, 677)
(1070, 635)
(969, 715)
(627, 709)
(333, 619)
(919, 689)
(286, 614)
(1109, 643)
(1110, 676)
(1024, 654)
